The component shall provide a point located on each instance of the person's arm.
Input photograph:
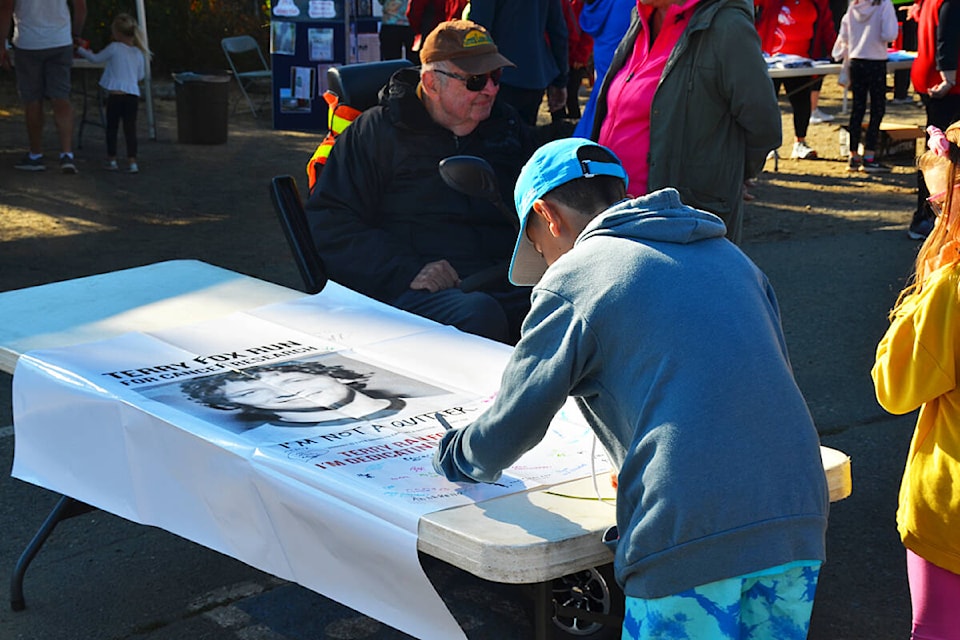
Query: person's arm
(948, 42)
(79, 17)
(824, 33)
(345, 215)
(890, 26)
(559, 42)
(551, 357)
(745, 82)
(100, 57)
(916, 357)
(913, 13)
(841, 47)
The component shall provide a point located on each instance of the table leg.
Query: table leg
(65, 508)
(543, 611)
(101, 120)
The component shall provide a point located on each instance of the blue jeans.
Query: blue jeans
(492, 314)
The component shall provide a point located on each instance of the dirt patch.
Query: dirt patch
(211, 202)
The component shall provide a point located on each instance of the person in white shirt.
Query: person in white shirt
(125, 60)
(44, 34)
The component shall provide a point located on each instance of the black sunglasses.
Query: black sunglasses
(475, 82)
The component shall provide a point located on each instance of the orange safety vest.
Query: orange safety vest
(339, 117)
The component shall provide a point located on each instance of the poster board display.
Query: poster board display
(315, 35)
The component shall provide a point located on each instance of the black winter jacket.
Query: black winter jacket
(381, 211)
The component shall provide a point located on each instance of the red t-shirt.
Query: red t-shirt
(794, 28)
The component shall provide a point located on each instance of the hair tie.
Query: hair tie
(938, 142)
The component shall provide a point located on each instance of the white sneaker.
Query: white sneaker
(819, 117)
(802, 151)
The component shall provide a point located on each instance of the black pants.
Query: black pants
(798, 92)
(395, 40)
(941, 113)
(525, 101)
(122, 107)
(867, 78)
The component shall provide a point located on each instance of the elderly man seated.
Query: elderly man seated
(384, 221)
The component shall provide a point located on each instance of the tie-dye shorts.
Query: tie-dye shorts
(775, 603)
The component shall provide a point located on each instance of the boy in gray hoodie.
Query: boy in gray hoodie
(669, 339)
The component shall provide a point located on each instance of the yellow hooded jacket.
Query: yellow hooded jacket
(916, 366)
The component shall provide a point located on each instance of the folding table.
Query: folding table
(532, 537)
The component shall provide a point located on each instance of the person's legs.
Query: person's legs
(877, 87)
(860, 88)
(63, 119)
(573, 91)
(816, 115)
(771, 605)
(525, 101)
(798, 92)
(114, 107)
(391, 42)
(129, 110)
(515, 302)
(30, 87)
(33, 111)
(475, 312)
(934, 595)
(778, 605)
(57, 69)
(877, 74)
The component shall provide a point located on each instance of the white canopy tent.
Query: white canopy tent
(151, 121)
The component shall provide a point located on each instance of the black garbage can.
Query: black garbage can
(202, 107)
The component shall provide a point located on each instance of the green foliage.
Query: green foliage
(184, 35)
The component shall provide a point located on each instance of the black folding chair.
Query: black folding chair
(293, 219)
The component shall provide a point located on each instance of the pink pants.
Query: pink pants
(935, 597)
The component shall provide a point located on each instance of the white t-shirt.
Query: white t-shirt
(125, 67)
(41, 24)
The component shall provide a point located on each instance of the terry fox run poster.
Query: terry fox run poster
(298, 438)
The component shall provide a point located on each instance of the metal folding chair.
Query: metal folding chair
(247, 63)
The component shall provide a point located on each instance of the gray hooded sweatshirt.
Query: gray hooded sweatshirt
(669, 339)
(865, 31)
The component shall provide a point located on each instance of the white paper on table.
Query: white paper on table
(332, 505)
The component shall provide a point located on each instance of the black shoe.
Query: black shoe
(67, 164)
(30, 164)
(920, 229)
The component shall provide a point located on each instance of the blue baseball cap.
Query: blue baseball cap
(552, 165)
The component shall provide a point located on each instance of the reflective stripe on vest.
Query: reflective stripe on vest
(339, 117)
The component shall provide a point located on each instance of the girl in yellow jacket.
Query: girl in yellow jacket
(918, 364)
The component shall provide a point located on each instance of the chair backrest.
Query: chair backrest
(358, 85)
(293, 219)
(243, 48)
